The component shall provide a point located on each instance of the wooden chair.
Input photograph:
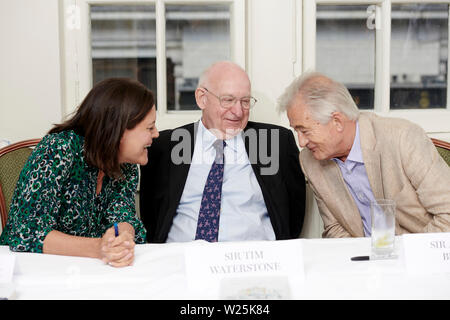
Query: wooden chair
(12, 160)
(443, 149)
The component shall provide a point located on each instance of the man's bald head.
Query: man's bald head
(219, 71)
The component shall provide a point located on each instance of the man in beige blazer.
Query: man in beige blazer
(351, 158)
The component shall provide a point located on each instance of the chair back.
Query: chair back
(12, 160)
(443, 149)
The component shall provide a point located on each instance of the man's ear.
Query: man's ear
(338, 120)
(200, 98)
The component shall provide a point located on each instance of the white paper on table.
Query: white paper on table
(427, 253)
(255, 288)
(214, 267)
(7, 291)
(7, 262)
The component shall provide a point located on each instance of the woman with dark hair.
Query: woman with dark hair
(81, 179)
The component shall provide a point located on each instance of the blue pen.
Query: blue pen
(116, 230)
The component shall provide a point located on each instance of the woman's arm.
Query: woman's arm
(60, 243)
(121, 206)
(116, 251)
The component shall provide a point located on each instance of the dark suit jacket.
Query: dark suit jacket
(163, 181)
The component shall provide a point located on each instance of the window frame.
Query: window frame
(432, 120)
(77, 59)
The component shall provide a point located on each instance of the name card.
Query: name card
(208, 265)
(6, 267)
(427, 253)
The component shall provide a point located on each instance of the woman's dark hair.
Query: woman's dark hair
(112, 106)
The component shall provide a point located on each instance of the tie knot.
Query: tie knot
(219, 145)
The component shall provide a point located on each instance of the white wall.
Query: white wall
(273, 60)
(271, 55)
(30, 88)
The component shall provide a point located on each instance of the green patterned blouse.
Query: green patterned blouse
(56, 190)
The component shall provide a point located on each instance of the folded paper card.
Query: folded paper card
(427, 253)
(7, 262)
(7, 267)
(210, 265)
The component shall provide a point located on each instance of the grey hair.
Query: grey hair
(322, 95)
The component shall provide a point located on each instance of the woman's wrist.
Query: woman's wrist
(125, 226)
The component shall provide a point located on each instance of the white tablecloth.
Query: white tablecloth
(159, 273)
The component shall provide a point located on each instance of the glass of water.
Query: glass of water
(383, 228)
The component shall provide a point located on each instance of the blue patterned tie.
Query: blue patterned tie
(208, 218)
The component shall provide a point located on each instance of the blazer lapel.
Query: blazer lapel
(251, 152)
(344, 208)
(371, 156)
(265, 182)
(256, 165)
(178, 172)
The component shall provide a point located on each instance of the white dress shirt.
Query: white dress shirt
(243, 213)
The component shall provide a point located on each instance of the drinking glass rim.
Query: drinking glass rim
(383, 201)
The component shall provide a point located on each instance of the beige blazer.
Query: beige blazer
(401, 163)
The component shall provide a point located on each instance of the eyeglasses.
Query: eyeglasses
(227, 102)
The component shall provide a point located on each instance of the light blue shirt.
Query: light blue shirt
(355, 177)
(243, 213)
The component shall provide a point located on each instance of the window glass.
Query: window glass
(196, 36)
(345, 48)
(123, 43)
(419, 53)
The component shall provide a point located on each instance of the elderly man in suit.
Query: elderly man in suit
(352, 158)
(223, 178)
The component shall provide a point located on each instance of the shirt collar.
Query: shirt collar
(355, 154)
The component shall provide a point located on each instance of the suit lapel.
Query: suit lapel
(178, 172)
(265, 181)
(256, 165)
(347, 215)
(371, 156)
